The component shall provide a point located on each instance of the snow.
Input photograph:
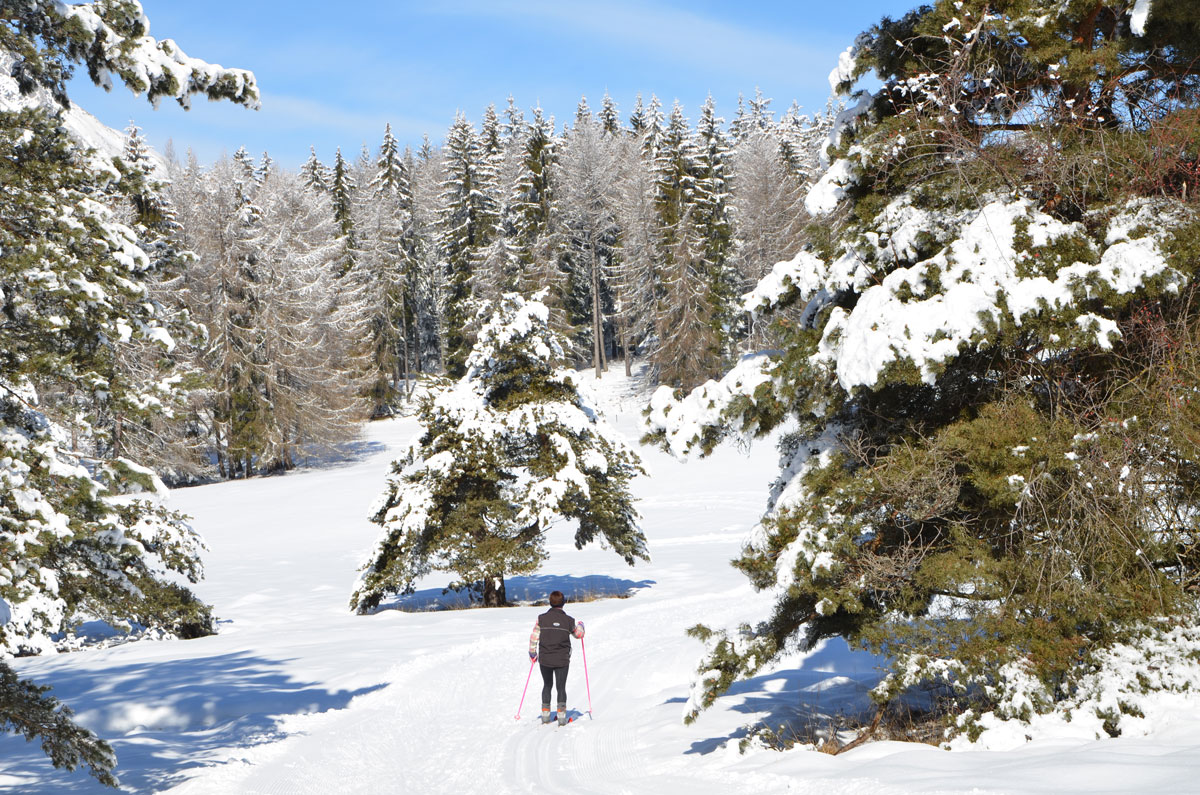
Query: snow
(296, 694)
(927, 313)
(1138, 17)
(844, 71)
(824, 196)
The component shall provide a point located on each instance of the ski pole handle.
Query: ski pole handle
(523, 692)
(583, 650)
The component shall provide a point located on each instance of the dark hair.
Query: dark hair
(557, 599)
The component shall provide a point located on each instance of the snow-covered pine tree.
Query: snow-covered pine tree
(245, 162)
(536, 241)
(497, 265)
(688, 347)
(124, 424)
(767, 203)
(264, 169)
(467, 217)
(714, 224)
(315, 174)
(610, 119)
(989, 476)
(342, 190)
(506, 451)
(383, 269)
(76, 538)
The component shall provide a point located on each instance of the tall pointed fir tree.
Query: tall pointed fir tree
(715, 227)
(315, 174)
(341, 192)
(72, 278)
(382, 270)
(686, 343)
(158, 433)
(467, 219)
(610, 120)
(537, 243)
(505, 452)
(496, 264)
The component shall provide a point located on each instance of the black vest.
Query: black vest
(554, 644)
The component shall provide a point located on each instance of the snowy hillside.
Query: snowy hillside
(298, 695)
(82, 126)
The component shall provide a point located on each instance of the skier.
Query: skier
(550, 642)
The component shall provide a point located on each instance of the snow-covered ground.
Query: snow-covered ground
(298, 695)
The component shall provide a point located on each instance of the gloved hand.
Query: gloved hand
(579, 629)
(532, 656)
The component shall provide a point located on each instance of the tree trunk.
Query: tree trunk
(493, 591)
(405, 368)
(625, 348)
(597, 342)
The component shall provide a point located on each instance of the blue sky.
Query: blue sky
(334, 78)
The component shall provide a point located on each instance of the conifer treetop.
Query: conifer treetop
(110, 37)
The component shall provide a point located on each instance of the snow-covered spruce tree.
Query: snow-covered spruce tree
(467, 219)
(341, 190)
(991, 479)
(78, 540)
(506, 451)
(385, 268)
(690, 332)
(315, 174)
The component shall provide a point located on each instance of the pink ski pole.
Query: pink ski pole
(523, 692)
(583, 650)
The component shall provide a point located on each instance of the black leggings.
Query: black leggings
(552, 676)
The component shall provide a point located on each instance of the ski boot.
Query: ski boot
(562, 714)
(545, 713)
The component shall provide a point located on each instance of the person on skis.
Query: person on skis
(550, 643)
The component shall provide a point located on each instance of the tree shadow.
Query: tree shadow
(164, 719)
(337, 455)
(831, 685)
(521, 590)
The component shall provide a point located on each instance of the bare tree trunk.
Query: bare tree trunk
(404, 348)
(623, 338)
(597, 341)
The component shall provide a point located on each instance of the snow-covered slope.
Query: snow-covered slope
(298, 695)
(82, 126)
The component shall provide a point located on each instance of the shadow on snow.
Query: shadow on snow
(527, 590)
(161, 717)
(831, 683)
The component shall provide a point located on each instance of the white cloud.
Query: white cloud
(658, 32)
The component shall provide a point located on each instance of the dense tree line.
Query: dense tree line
(645, 232)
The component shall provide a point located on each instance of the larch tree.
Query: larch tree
(587, 193)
